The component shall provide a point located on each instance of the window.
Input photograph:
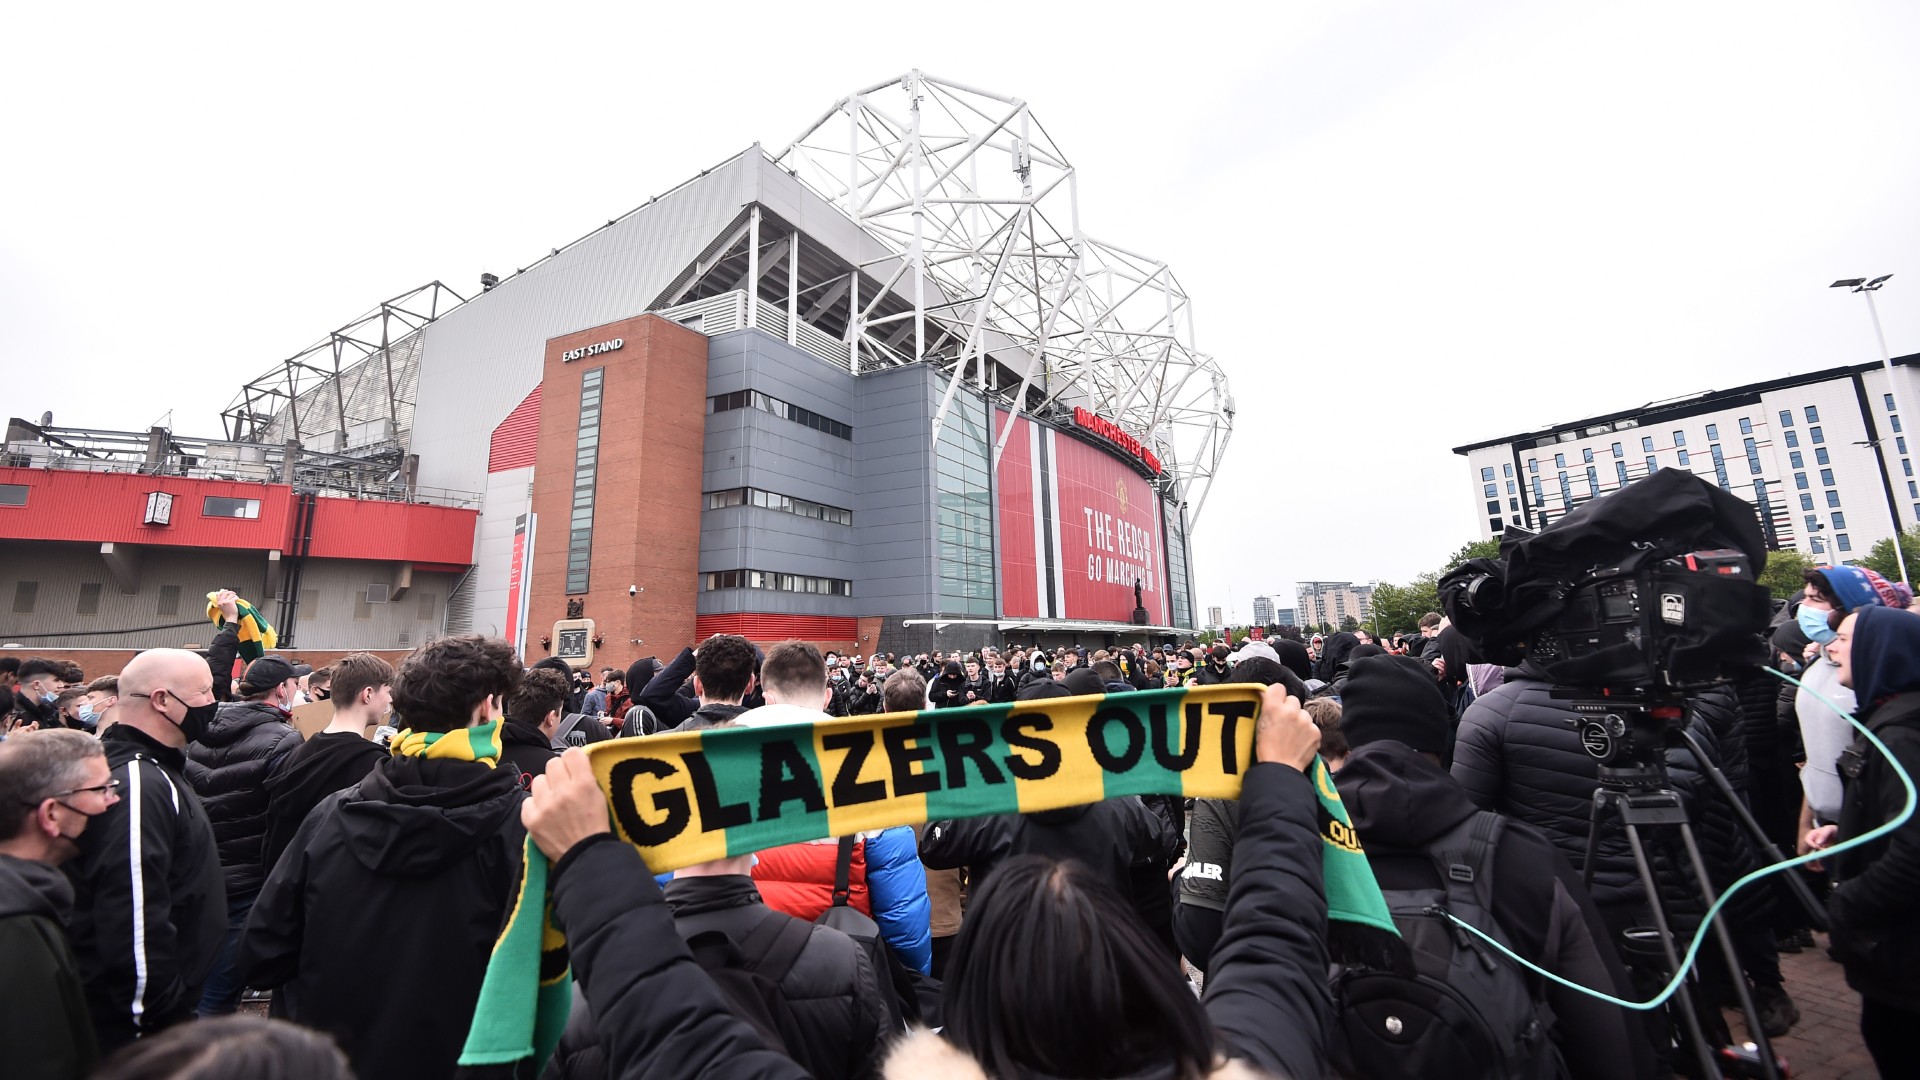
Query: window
(1820, 455)
(1786, 417)
(1493, 506)
(1586, 456)
(1617, 452)
(1620, 470)
(1566, 492)
(1842, 541)
(1833, 499)
(754, 399)
(1913, 490)
(1510, 487)
(1685, 459)
(1486, 473)
(89, 599)
(1806, 501)
(1653, 466)
(13, 494)
(1800, 480)
(1813, 414)
(1533, 465)
(1513, 505)
(1559, 461)
(787, 504)
(1646, 444)
(1797, 460)
(215, 506)
(1793, 438)
(1593, 481)
(1679, 438)
(1839, 519)
(1493, 525)
(1537, 497)
(1900, 443)
(1816, 435)
(1906, 466)
(761, 579)
(1490, 491)
(1746, 426)
(1896, 423)
(1713, 432)
(1507, 468)
(1813, 524)
(24, 594)
(1826, 477)
(169, 600)
(586, 470)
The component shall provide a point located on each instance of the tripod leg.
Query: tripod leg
(1592, 858)
(1682, 1000)
(1767, 1061)
(1768, 850)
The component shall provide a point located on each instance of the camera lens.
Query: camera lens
(1484, 593)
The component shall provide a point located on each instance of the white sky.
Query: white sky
(1406, 226)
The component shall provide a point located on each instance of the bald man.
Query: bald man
(149, 902)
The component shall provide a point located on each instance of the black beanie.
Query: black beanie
(1397, 698)
(1041, 689)
(1084, 680)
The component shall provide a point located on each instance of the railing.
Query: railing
(728, 311)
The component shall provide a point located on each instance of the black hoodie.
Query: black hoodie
(43, 1010)
(326, 763)
(376, 924)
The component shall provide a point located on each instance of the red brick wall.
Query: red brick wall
(646, 521)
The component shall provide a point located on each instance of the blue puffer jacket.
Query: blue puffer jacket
(886, 882)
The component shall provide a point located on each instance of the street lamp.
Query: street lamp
(1867, 288)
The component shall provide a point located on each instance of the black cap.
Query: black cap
(1040, 689)
(265, 674)
(1397, 698)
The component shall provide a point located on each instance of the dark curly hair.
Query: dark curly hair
(725, 666)
(439, 684)
(541, 692)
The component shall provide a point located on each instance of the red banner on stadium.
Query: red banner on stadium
(1078, 527)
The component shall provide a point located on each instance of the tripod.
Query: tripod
(1630, 738)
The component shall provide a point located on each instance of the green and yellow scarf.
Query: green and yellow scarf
(256, 633)
(691, 797)
(481, 744)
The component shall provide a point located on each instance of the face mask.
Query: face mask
(194, 724)
(1814, 624)
(88, 717)
(47, 698)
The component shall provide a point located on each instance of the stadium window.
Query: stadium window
(1839, 519)
(13, 494)
(1486, 473)
(1786, 418)
(1617, 451)
(1685, 458)
(1800, 480)
(1826, 477)
(1713, 432)
(1843, 543)
(1797, 460)
(1813, 414)
(1806, 501)
(1679, 438)
(1833, 499)
(1793, 438)
(1646, 444)
(1746, 426)
(216, 506)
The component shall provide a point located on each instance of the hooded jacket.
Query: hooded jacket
(43, 1010)
(1876, 918)
(1400, 802)
(526, 750)
(150, 903)
(709, 715)
(376, 924)
(884, 882)
(950, 690)
(228, 767)
(662, 695)
(326, 763)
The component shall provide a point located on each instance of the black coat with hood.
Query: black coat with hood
(376, 924)
(43, 1009)
(1875, 908)
(662, 695)
(327, 762)
(526, 750)
(950, 690)
(150, 903)
(228, 767)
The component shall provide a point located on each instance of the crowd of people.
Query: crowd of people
(171, 847)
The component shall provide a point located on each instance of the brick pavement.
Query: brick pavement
(1825, 1044)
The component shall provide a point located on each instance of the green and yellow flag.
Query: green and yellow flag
(256, 633)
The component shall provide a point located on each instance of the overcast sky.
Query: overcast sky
(1406, 227)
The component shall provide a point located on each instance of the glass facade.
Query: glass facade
(1177, 588)
(762, 579)
(586, 464)
(963, 510)
(786, 504)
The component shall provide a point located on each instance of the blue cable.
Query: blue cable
(1700, 936)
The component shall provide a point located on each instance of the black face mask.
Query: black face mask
(194, 724)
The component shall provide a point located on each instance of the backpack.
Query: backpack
(749, 973)
(911, 998)
(1466, 1010)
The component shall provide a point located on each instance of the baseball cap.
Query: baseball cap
(265, 674)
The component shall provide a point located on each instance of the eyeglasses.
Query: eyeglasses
(111, 787)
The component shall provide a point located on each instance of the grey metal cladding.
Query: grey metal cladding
(894, 508)
(481, 358)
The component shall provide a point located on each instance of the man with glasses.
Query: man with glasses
(149, 902)
(51, 784)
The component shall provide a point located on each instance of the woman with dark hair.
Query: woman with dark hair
(230, 1048)
(1052, 973)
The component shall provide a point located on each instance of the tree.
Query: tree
(1479, 549)
(1398, 608)
(1349, 624)
(1882, 561)
(1783, 572)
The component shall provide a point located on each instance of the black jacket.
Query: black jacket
(1875, 913)
(526, 750)
(220, 657)
(706, 716)
(43, 1010)
(228, 768)
(949, 691)
(1400, 801)
(1208, 675)
(325, 763)
(145, 938)
(662, 693)
(376, 924)
(999, 691)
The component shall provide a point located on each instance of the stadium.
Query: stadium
(880, 388)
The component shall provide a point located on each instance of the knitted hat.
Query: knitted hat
(1853, 587)
(1393, 697)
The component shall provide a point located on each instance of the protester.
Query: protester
(723, 676)
(334, 758)
(377, 921)
(1875, 907)
(35, 695)
(1824, 732)
(51, 784)
(228, 768)
(532, 718)
(149, 860)
(225, 649)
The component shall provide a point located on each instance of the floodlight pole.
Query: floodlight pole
(1867, 289)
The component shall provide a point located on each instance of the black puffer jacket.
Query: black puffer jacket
(228, 767)
(1875, 931)
(1718, 710)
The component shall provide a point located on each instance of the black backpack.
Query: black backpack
(913, 999)
(1467, 1010)
(749, 973)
